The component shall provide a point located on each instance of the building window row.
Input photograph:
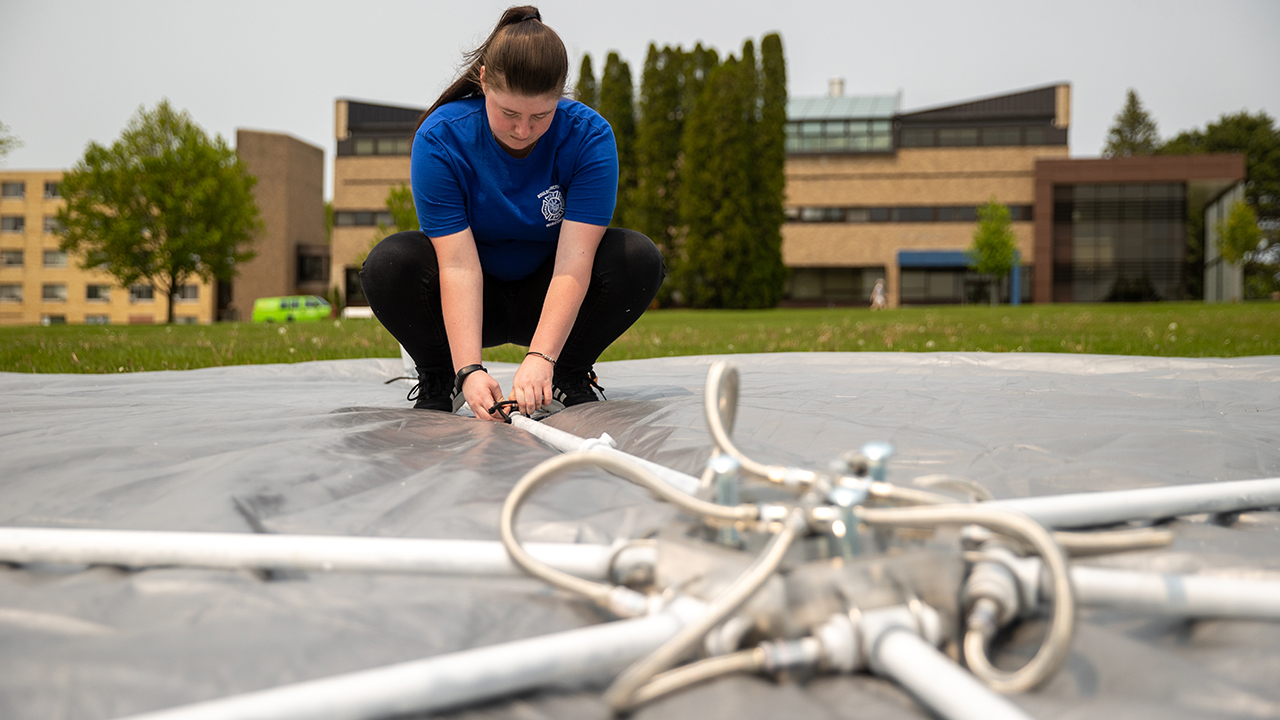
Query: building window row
(348, 218)
(18, 224)
(11, 258)
(17, 190)
(852, 136)
(381, 146)
(902, 214)
(1000, 136)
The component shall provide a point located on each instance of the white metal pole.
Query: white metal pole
(896, 649)
(1102, 508)
(142, 548)
(576, 658)
(568, 442)
(1197, 596)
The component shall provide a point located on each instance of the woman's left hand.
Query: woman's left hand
(531, 388)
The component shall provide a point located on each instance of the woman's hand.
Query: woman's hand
(532, 385)
(482, 392)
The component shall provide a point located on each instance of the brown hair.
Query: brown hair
(521, 55)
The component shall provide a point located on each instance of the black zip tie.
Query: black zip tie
(501, 409)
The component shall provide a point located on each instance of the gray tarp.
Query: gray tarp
(327, 448)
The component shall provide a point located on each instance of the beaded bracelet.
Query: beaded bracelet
(548, 358)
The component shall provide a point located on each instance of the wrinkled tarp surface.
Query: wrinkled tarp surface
(327, 448)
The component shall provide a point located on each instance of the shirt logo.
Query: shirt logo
(552, 204)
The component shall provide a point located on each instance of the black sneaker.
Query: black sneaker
(435, 391)
(571, 389)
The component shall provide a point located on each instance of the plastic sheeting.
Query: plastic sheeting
(327, 448)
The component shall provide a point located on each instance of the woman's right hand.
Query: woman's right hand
(482, 392)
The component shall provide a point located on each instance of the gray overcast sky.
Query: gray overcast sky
(72, 71)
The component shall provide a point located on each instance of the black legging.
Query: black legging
(401, 279)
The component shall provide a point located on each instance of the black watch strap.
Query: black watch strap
(463, 373)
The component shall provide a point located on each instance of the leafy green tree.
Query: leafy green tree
(165, 203)
(404, 216)
(617, 105)
(1133, 132)
(1238, 233)
(994, 252)
(586, 91)
(8, 142)
(1258, 139)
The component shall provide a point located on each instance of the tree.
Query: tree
(1238, 233)
(404, 216)
(994, 251)
(165, 203)
(8, 142)
(586, 91)
(1133, 132)
(1258, 139)
(617, 105)
(659, 128)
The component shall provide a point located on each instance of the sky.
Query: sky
(75, 71)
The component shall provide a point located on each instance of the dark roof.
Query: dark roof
(368, 116)
(1037, 103)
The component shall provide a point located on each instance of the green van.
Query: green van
(290, 308)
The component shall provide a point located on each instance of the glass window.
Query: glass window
(13, 190)
(186, 320)
(47, 320)
(879, 214)
(142, 293)
(53, 292)
(97, 320)
(13, 224)
(51, 225)
(792, 213)
(917, 137)
(52, 189)
(1035, 136)
(383, 218)
(957, 137)
(881, 142)
(364, 146)
(55, 259)
(859, 215)
(97, 293)
(1001, 136)
(187, 292)
(811, 128)
(10, 292)
(10, 258)
(793, 144)
(880, 127)
(912, 285)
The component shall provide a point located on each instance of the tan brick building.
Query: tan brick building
(41, 285)
(873, 191)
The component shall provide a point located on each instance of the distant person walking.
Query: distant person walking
(878, 301)
(515, 188)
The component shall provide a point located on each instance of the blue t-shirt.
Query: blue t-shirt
(462, 178)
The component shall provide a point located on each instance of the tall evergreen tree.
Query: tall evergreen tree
(659, 129)
(1133, 132)
(716, 201)
(771, 159)
(617, 105)
(586, 91)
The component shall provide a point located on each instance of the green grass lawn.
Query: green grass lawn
(1165, 329)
